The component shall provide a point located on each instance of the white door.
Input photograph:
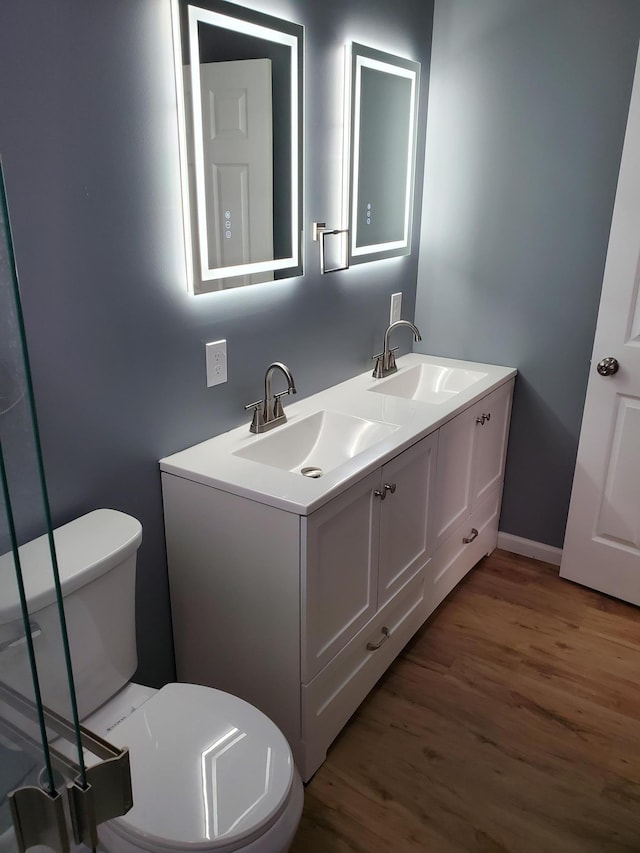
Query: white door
(237, 139)
(602, 542)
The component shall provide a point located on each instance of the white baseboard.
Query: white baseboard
(529, 548)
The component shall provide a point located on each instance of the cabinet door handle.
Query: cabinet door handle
(485, 417)
(470, 537)
(390, 487)
(380, 493)
(386, 633)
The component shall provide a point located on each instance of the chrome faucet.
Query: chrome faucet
(268, 413)
(386, 360)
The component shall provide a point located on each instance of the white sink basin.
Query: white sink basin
(316, 444)
(428, 383)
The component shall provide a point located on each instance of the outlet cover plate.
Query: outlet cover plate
(396, 307)
(216, 352)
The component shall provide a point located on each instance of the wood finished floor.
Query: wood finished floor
(511, 722)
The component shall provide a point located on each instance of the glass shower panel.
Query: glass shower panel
(35, 670)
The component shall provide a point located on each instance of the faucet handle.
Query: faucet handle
(380, 354)
(258, 415)
(385, 364)
(278, 411)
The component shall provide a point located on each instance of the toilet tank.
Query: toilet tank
(96, 557)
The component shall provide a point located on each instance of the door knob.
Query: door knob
(608, 366)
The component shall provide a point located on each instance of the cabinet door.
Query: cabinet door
(339, 559)
(491, 438)
(454, 477)
(408, 483)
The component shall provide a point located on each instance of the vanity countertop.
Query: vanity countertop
(214, 462)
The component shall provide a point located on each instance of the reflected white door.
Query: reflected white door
(602, 542)
(237, 138)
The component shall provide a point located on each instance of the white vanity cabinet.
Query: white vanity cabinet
(297, 594)
(470, 472)
(300, 615)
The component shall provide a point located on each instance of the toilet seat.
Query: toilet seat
(209, 771)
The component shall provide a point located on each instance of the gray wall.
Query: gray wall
(89, 145)
(527, 111)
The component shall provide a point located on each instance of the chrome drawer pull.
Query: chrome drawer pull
(484, 418)
(386, 633)
(390, 487)
(471, 537)
(380, 493)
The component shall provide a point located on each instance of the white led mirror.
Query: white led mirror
(382, 147)
(239, 89)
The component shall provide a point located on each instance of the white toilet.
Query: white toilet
(209, 771)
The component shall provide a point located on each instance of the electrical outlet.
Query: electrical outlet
(216, 352)
(396, 307)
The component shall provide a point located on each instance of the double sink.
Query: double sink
(321, 441)
(335, 437)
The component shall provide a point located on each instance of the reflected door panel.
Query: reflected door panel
(237, 147)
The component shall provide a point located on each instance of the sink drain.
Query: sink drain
(312, 471)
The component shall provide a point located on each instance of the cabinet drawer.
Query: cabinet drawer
(454, 558)
(334, 694)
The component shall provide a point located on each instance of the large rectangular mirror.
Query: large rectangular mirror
(239, 89)
(382, 148)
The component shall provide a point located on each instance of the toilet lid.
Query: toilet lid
(208, 770)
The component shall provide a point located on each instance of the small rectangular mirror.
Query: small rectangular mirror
(239, 91)
(382, 149)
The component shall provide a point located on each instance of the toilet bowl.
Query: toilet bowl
(209, 771)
